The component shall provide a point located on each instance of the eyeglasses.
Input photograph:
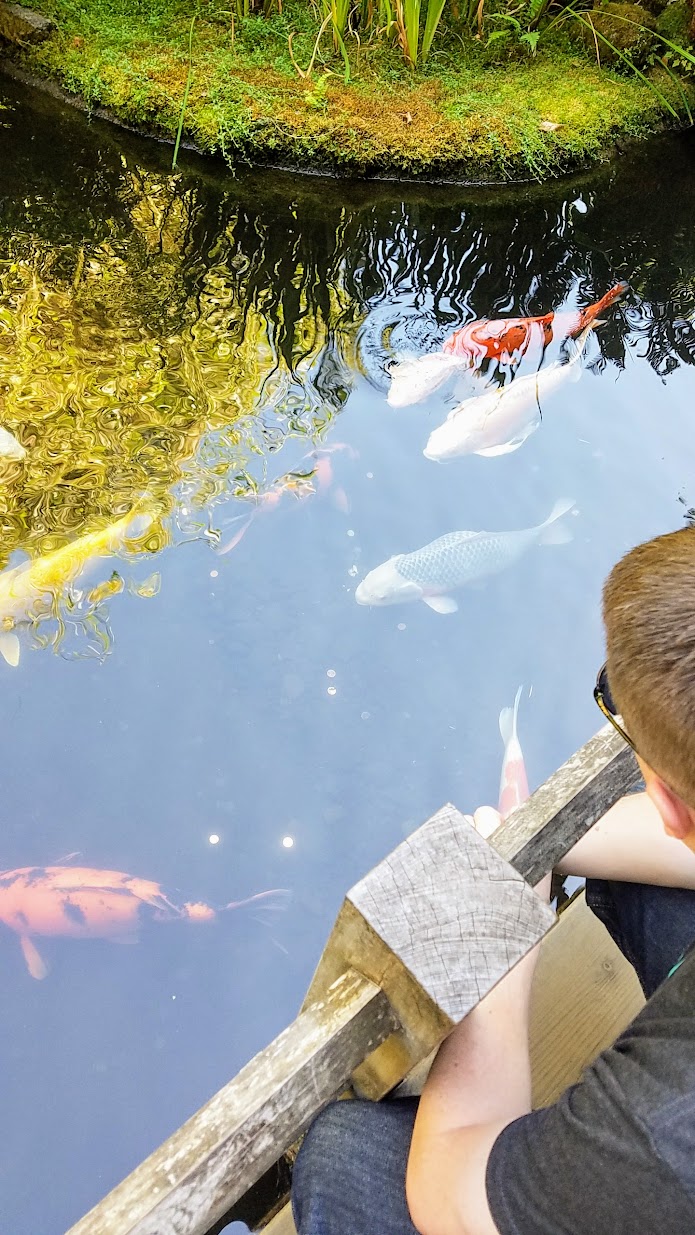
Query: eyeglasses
(604, 699)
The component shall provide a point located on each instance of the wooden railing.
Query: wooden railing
(417, 943)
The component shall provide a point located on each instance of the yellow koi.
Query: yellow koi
(32, 589)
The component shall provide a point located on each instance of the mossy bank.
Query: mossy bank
(472, 112)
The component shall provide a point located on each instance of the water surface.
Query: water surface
(200, 340)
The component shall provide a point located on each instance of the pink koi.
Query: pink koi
(513, 783)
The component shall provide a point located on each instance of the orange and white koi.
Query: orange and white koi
(504, 340)
(513, 783)
(79, 902)
(509, 338)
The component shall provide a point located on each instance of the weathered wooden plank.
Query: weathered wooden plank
(541, 831)
(187, 1184)
(584, 995)
(436, 924)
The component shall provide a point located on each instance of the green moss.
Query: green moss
(619, 30)
(674, 22)
(460, 116)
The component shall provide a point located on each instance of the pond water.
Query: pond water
(205, 356)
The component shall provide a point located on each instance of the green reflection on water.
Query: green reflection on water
(124, 376)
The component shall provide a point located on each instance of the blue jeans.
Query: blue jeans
(349, 1177)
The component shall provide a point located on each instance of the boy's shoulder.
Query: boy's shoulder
(617, 1151)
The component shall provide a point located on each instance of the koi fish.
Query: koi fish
(505, 340)
(508, 339)
(30, 590)
(451, 561)
(80, 903)
(500, 420)
(513, 783)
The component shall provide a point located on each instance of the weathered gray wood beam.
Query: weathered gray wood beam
(436, 925)
(187, 1184)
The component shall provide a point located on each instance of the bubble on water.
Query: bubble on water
(370, 475)
(365, 715)
(401, 626)
(288, 842)
(330, 673)
(350, 532)
(332, 690)
(214, 574)
(353, 571)
(213, 838)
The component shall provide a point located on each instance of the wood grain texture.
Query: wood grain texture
(584, 995)
(436, 924)
(194, 1177)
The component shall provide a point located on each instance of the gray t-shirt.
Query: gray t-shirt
(616, 1154)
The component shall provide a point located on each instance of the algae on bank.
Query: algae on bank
(466, 114)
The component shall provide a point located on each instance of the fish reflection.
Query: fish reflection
(451, 561)
(82, 903)
(30, 591)
(513, 782)
(505, 341)
(500, 420)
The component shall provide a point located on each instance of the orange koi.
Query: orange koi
(508, 339)
(79, 902)
(513, 783)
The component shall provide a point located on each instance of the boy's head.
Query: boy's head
(649, 614)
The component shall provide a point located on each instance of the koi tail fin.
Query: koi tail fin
(35, 963)
(238, 536)
(550, 532)
(508, 719)
(610, 298)
(588, 315)
(575, 344)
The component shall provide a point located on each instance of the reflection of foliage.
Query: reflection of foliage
(112, 369)
(164, 335)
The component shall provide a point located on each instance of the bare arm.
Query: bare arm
(479, 1082)
(629, 844)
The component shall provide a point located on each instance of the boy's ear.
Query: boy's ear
(677, 816)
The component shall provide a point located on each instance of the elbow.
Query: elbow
(431, 1210)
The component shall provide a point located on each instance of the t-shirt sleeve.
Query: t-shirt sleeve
(616, 1154)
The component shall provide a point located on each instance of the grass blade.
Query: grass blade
(435, 8)
(186, 92)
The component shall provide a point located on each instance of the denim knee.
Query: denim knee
(349, 1177)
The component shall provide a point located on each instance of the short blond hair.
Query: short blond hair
(649, 615)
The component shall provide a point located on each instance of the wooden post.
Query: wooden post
(436, 925)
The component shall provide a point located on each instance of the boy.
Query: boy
(616, 1154)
